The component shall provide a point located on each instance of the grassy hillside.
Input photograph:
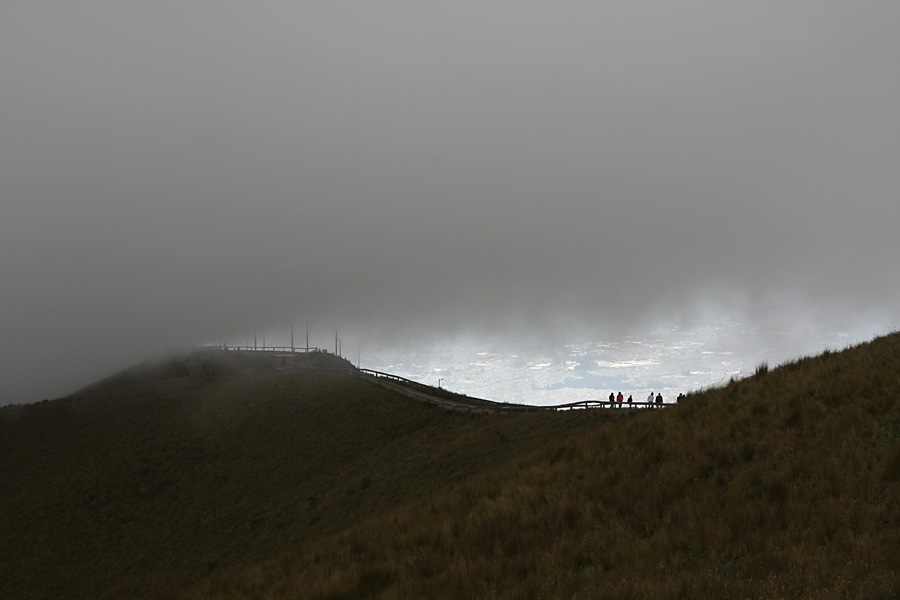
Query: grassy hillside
(151, 481)
(784, 485)
(315, 485)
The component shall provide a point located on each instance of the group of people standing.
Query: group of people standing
(657, 400)
(652, 401)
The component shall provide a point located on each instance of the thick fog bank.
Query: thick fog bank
(172, 174)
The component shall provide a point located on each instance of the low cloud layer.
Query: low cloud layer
(175, 173)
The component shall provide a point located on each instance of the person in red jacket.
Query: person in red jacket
(619, 398)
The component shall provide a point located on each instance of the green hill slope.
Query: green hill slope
(153, 480)
(321, 485)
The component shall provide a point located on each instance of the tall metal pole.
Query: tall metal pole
(292, 337)
(335, 342)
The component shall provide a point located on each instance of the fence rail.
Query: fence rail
(493, 406)
(403, 385)
(293, 349)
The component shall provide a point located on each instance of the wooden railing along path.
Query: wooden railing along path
(413, 389)
(402, 385)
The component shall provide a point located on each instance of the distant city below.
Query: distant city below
(667, 360)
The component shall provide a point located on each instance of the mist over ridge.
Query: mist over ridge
(405, 174)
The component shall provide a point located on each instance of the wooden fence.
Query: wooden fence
(410, 388)
(492, 406)
(294, 349)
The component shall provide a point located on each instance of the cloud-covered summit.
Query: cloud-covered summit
(170, 173)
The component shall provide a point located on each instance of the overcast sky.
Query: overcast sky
(181, 172)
